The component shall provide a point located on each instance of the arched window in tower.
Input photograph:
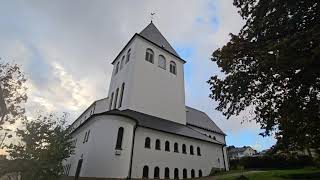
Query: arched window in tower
(184, 149)
(128, 56)
(121, 95)
(173, 67)
(192, 173)
(116, 99)
(200, 173)
(111, 99)
(162, 62)
(147, 143)
(122, 62)
(145, 173)
(117, 67)
(185, 174)
(166, 173)
(176, 173)
(176, 149)
(191, 150)
(198, 151)
(158, 144)
(167, 146)
(156, 173)
(119, 138)
(149, 55)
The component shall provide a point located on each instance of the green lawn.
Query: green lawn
(294, 174)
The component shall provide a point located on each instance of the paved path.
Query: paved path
(229, 175)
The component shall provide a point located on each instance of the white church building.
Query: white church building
(143, 129)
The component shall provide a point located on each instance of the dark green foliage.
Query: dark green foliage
(44, 144)
(273, 65)
(272, 162)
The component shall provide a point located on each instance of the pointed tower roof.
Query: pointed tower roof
(152, 33)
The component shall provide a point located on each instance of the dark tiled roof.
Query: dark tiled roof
(154, 35)
(202, 120)
(152, 122)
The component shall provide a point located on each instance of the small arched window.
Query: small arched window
(145, 173)
(147, 143)
(122, 62)
(185, 174)
(119, 138)
(149, 55)
(184, 149)
(214, 138)
(192, 173)
(121, 95)
(162, 62)
(128, 56)
(198, 151)
(176, 148)
(176, 173)
(156, 173)
(191, 150)
(158, 145)
(173, 67)
(167, 146)
(166, 173)
(200, 173)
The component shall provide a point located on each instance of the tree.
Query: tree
(273, 65)
(45, 143)
(12, 94)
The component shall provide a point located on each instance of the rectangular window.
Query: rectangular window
(121, 95)
(88, 136)
(116, 99)
(85, 137)
(110, 104)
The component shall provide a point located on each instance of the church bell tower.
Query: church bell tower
(148, 77)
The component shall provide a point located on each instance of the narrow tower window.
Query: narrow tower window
(116, 99)
(162, 62)
(119, 138)
(158, 144)
(149, 55)
(122, 62)
(173, 67)
(156, 173)
(128, 55)
(167, 146)
(147, 143)
(121, 95)
(110, 104)
(192, 173)
(117, 68)
(145, 173)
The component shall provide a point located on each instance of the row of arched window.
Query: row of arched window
(162, 63)
(147, 144)
(113, 104)
(156, 175)
(123, 61)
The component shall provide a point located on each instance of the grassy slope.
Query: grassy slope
(284, 175)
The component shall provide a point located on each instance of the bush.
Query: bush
(270, 162)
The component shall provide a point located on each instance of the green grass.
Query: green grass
(293, 174)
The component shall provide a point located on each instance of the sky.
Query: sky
(65, 49)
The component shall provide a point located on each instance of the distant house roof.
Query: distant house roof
(202, 120)
(238, 149)
(153, 34)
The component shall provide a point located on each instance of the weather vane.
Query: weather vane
(152, 16)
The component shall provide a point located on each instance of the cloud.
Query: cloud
(66, 47)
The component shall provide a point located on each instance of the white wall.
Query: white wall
(210, 153)
(219, 137)
(148, 88)
(99, 159)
